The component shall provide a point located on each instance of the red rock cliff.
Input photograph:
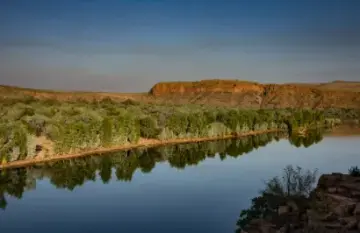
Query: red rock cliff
(251, 94)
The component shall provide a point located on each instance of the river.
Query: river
(198, 187)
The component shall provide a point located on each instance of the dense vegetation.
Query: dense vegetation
(29, 126)
(69, 174)
(343, 114)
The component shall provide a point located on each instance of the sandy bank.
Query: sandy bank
(143, 143)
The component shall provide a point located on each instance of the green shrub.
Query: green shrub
(217, 129)
(196, 124)
(148, 127)
(106, 135)
(166, 134)
(294, 185)
(177, 123)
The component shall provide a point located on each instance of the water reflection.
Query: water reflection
(69, 174)
(313, 137)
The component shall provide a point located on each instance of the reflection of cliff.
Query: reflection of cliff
(69, 174)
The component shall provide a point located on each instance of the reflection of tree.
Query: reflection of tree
(126, 167)
(312, 137)
(147, 162)
(3, 202)
(105, 169)
(187, 155)
(222, 156)
(122, 174)
(3, 186)
(178, 160)
(13, 182)
(232, 149)
(67, 177)
(69, 174)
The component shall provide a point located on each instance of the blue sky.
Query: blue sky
(128, 46)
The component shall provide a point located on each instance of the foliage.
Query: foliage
(293, 185)
(312, 136)
(148, 127)
(74, 126)
(106, 135)
(177, 123)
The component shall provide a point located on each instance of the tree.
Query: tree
(3, 202)
(294, 185)
(105, 169)
(196, 124)
(178, 123)
(148, 127)
(106, 131)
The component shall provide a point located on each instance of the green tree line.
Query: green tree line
(30, 125)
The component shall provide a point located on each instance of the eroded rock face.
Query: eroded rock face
(332, 208)
(213, 86)
(256, 95)
(232, 93)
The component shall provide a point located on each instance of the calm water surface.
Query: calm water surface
(185, 188)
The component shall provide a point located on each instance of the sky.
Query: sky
(128, 46)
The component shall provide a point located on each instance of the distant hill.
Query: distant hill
(237, 93)
(19, 92)
(255, 95)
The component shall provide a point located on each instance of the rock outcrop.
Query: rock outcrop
(233, 93)
(256, 95)
(334, 206)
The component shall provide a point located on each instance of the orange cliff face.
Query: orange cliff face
(215, 85)
(255, 95)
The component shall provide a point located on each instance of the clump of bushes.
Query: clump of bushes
(294, 185)
(74, 126)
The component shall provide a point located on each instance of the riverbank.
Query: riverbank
(143, 143)
(344, 130)
(333, 206)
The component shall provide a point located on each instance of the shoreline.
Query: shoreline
(344, 130)
(146, 143)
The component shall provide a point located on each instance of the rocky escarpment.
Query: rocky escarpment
(334, 206)
(255, 95)
(233, 93)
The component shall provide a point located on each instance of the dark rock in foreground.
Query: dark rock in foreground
(333, 207)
